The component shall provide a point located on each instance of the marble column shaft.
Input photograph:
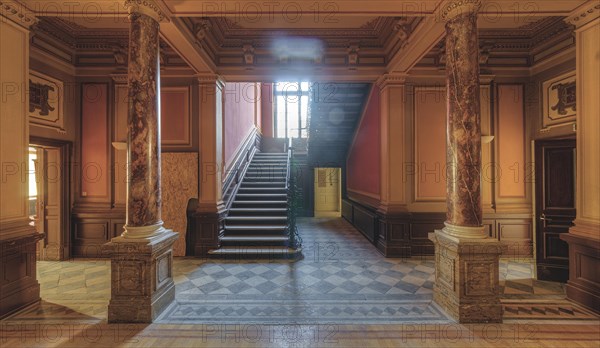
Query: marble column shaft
(463, 150)
(143, 189)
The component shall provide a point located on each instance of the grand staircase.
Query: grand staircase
(257, 224)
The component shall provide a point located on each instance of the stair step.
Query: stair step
(255, 228)
(256, 218)
(257, 210)
(259, 196)
(265, 183)
(255, 238)
(256, 252)
(259, 189)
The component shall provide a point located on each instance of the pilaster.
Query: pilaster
(18, 238)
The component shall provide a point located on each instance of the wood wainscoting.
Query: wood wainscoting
(405, 234)
(92, 228)
(584, 270)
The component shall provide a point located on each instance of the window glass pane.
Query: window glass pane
(280, 131)
(304, 115)
(293, 117)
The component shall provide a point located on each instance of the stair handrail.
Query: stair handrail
(294, 239)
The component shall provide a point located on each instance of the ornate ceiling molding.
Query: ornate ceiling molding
(391, 79)
(92, 46)
(584, 14)
(17, 13)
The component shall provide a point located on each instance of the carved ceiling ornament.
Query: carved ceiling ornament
(402, 29)
(353, 54)
(454, 8)
(248, 50)
(145, 7)
(121, 55)
(201, 29)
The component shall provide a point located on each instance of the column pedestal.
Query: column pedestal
(466, 278)
(141, 277)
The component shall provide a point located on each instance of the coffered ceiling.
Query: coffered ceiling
(355, 39)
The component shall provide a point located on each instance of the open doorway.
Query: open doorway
(328, 192)
(49, 197)
(555, 206)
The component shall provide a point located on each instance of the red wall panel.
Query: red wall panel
(364, 156)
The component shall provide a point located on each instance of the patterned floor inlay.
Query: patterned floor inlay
(304, 312)
(342, 279)
(542, 310)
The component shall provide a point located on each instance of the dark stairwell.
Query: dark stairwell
(335, 110)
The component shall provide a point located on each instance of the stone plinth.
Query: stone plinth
(466, 283)
(141, 278)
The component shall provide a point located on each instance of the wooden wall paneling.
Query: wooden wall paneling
(176, 122)
(95, 151)
(514, 171)
(429, 136)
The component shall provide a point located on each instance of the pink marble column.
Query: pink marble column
(143, 152)
(142, 283)
(463, 148)
(466, 261)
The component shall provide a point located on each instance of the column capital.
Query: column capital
(584, 14)
(454, 8)
(145, 7)
(120, 79)
(17, 13)
(204, 79)
(390, 79)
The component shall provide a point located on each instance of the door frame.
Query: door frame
(65, 148)
(538, 188)
(338, 213)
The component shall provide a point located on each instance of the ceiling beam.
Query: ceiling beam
(176, 34)
(420, 42)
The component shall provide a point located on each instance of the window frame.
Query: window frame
(298, 94)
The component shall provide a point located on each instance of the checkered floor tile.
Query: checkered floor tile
(341, 279)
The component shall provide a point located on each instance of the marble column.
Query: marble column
(466, 260)
(142, 257)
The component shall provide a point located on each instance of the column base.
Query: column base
(467, 277)
(141, 277)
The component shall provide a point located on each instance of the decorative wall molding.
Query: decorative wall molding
(389, 79)
(183, 138)
(17, 13)
(558, 100)
(584, 14)
(46, 97)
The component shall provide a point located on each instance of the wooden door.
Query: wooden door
(327, 192)
(555, 206)
(49, 220)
